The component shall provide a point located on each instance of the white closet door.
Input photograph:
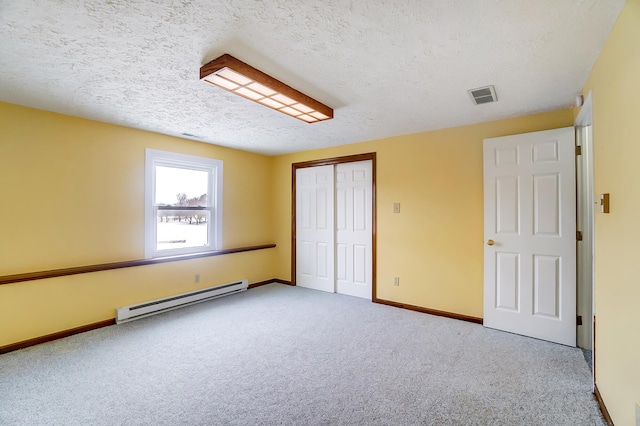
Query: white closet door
(315, 235)
(354, 228)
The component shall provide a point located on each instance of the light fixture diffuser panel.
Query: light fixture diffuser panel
(271, 103)
(248, 93)
(237, 77)
(290, 111)
(303, 108)
(222, 82)
(284, 99)
(319, 115)
(262, 89)
(307, 118)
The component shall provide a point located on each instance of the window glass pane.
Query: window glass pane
(182, 228)
(181, 187)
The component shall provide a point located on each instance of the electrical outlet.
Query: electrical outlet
(396, 281)
(196, 278)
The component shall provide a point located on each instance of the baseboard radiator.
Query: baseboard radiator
(153, 307)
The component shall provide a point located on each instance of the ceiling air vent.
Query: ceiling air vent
(483, 95)
(191, 135)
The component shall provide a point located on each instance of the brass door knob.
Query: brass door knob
(490, 243)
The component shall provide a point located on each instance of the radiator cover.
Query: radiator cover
(153, 307)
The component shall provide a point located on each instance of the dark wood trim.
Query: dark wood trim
(374, 228)
(293, 224)
(247, 70)
(452, 315)
(603, 408)
(374, 240)
(259, 283)
(271, 281)
(30, 276)
(593, 353)
(336, 160)
(70, 332)
(55, 336)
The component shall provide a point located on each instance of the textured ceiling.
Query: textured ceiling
(386, 67)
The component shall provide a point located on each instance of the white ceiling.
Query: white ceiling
(386, 67)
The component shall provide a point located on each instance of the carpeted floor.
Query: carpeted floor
(280, 355)
(588, 357)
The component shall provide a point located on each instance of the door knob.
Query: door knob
(490, 243)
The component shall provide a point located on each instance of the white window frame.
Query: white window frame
(153, 158)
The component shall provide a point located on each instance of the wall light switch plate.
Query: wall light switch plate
(396, 207)
(604, 203)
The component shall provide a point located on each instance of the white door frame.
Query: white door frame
(586, 213)
(333, 161)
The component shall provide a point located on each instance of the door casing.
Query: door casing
(586, 216)
(333, 161)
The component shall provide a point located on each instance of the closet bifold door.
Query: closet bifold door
(354, 260)
(315, 228)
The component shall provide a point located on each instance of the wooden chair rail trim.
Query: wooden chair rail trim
(53, 273)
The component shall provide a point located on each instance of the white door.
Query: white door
(315, 235)
(529, 218)
(353, 228)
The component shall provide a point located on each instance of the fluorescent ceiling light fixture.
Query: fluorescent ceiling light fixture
(237, 77)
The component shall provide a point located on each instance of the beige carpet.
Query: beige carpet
(280, 355)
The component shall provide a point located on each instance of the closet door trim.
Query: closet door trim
(333, 161)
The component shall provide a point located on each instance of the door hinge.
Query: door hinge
(578, 150)
(579, 235)
(579, 320)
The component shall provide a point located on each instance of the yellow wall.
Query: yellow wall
(72, 194)
(435, 245)
(615, 86)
